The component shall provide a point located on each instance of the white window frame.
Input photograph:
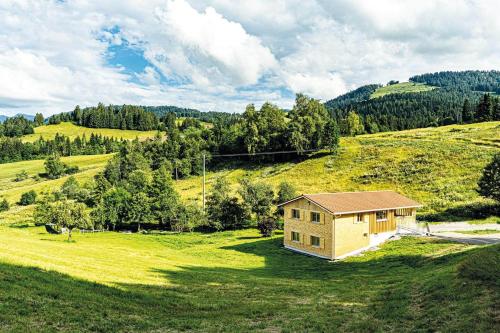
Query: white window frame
(298, 235)
(298, 213)
(319, 215)
(311, 241)
(382, 212)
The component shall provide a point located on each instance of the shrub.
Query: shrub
(28, 198)
(266, 226)
(21, 176)
(4, 205)
(489, 184)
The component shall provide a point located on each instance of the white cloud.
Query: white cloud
(222, 54)
(223, 47)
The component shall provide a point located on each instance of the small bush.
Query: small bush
(482, 266)
(21, 176)
(267, 226)
(28, 198)
(4, 205)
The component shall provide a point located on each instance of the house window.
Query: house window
(315, 241)
(295, 213)
(360, 218)
(403, 212)
(315, 217)
(382, 216)
(295, 236)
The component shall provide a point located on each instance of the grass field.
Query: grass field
(72, 131)
(401, 88)
(233, 282)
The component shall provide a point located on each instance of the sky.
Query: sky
(224, 54)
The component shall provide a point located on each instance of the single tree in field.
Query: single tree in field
(54, 167)
(489, 184)
(64, 214)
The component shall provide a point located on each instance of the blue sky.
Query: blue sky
(222, 54)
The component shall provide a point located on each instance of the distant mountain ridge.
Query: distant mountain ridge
(27, 116)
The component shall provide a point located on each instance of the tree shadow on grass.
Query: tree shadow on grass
(289, 291)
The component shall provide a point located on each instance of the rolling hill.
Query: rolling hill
(72, 131)
(437, 166)
(426, 100)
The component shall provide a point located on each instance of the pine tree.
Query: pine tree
(467, 112)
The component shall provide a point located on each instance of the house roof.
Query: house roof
(356, 202)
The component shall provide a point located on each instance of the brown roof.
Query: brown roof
(353, 202)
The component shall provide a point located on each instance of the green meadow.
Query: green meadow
(235, 281)
(401, 88)
(72, 131)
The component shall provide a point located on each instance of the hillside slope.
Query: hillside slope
(72, 131)
(401, 88)
(439, 167)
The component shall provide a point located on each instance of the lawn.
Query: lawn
(72, 131)
(401, 88)
(232, 282)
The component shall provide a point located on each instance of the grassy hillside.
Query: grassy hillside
(89, 165)
(439, 167)
(71, 130)
(401, 88)
(196, 282)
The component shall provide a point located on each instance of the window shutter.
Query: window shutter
(322, 243)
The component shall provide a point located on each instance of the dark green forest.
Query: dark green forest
(484, 81)
(441, 106)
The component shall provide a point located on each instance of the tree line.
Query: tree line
(132, 194)
(126, 117)
(14, 149)
(18, 126)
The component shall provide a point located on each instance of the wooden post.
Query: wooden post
(203, 182)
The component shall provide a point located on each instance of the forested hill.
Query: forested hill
(484, 81)
(428, 100)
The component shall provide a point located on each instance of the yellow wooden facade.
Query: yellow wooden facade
(339, 234)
